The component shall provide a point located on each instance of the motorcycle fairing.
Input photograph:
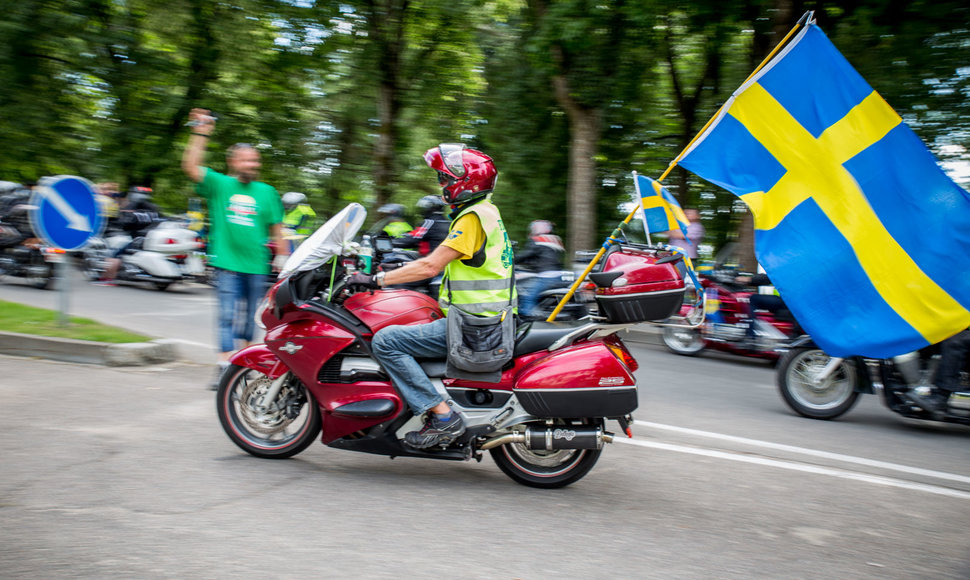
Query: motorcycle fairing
(306, 345)
(260, 358)
(392, 307)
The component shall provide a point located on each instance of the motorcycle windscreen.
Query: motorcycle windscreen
(328, 241)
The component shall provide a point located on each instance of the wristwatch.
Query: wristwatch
(379, 279)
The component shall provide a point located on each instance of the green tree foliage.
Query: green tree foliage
(568, 96)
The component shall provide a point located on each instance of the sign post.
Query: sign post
(65, 215)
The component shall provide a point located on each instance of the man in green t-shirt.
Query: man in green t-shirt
(243, 215)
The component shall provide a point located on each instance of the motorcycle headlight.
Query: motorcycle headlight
(267, 303)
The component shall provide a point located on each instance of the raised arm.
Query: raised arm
(194, 154)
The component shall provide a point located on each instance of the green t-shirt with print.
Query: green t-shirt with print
(240, 217)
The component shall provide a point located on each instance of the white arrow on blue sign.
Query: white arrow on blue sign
(66, 212)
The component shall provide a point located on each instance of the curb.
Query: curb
(89, 352)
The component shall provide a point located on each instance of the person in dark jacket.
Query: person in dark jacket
(543, 255)
(429, 235)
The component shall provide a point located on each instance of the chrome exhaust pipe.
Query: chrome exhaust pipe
(552, 439)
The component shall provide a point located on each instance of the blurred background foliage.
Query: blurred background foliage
(568, 96)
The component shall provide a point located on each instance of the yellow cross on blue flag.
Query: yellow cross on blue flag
(844, 197)
(661, 212)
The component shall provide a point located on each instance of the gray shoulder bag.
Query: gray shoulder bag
(480, 344)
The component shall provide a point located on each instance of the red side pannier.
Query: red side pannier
(638, 284)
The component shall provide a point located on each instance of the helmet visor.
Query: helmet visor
(452, 157)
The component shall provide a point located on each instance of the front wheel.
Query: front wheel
(270, 429)
(681, 340)
(805, 394)
(544, 469)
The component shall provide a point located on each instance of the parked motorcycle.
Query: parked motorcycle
(23, 255)
(543, 422)
(818, 386)
(168, 253)
(33, 260)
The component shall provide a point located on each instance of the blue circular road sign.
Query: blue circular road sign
(66, 212)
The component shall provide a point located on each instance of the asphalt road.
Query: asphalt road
(125, 473)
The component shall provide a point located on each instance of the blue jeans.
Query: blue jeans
(234, 288)
(530, 290)
(398, 347)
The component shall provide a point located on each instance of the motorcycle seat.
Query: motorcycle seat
(540, 335)
(435, 369)
(529, 337)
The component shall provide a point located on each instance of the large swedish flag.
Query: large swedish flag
(864, 236)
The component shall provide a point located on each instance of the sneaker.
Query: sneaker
(436, 432)
(929, 399)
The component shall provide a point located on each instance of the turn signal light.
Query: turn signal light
(623, 355)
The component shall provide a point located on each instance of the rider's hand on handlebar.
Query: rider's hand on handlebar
(361, 281)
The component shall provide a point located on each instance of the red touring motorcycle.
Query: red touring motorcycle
(543, 422)
(727, 316)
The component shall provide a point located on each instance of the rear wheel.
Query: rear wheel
(681, 340)
(544, 469)
(161, 285)
(271, 429)
(809, 397)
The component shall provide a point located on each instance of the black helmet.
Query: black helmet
(394, 210)
(431, 203)
(138, 195)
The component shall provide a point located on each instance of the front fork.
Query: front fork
(826, 371)
(266, 402)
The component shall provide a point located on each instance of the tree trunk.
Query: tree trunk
(584, 130)
(387, 111)
(783, 21)
(386, 24)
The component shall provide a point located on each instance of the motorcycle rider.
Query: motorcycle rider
(543, 254)
(429, 235)
(136, 215)
(392, 220)
(766, 298)
(477, 261)
(298, 215)
(953, 353)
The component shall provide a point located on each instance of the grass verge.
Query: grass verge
(29, 320)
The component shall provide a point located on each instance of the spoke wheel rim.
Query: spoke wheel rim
(823, 395)
(683, 339)
(264, 428)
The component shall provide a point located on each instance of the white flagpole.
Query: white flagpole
(639, 202)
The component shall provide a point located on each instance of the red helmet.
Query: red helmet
(464, 174)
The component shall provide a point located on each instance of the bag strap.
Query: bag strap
(451, 297)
